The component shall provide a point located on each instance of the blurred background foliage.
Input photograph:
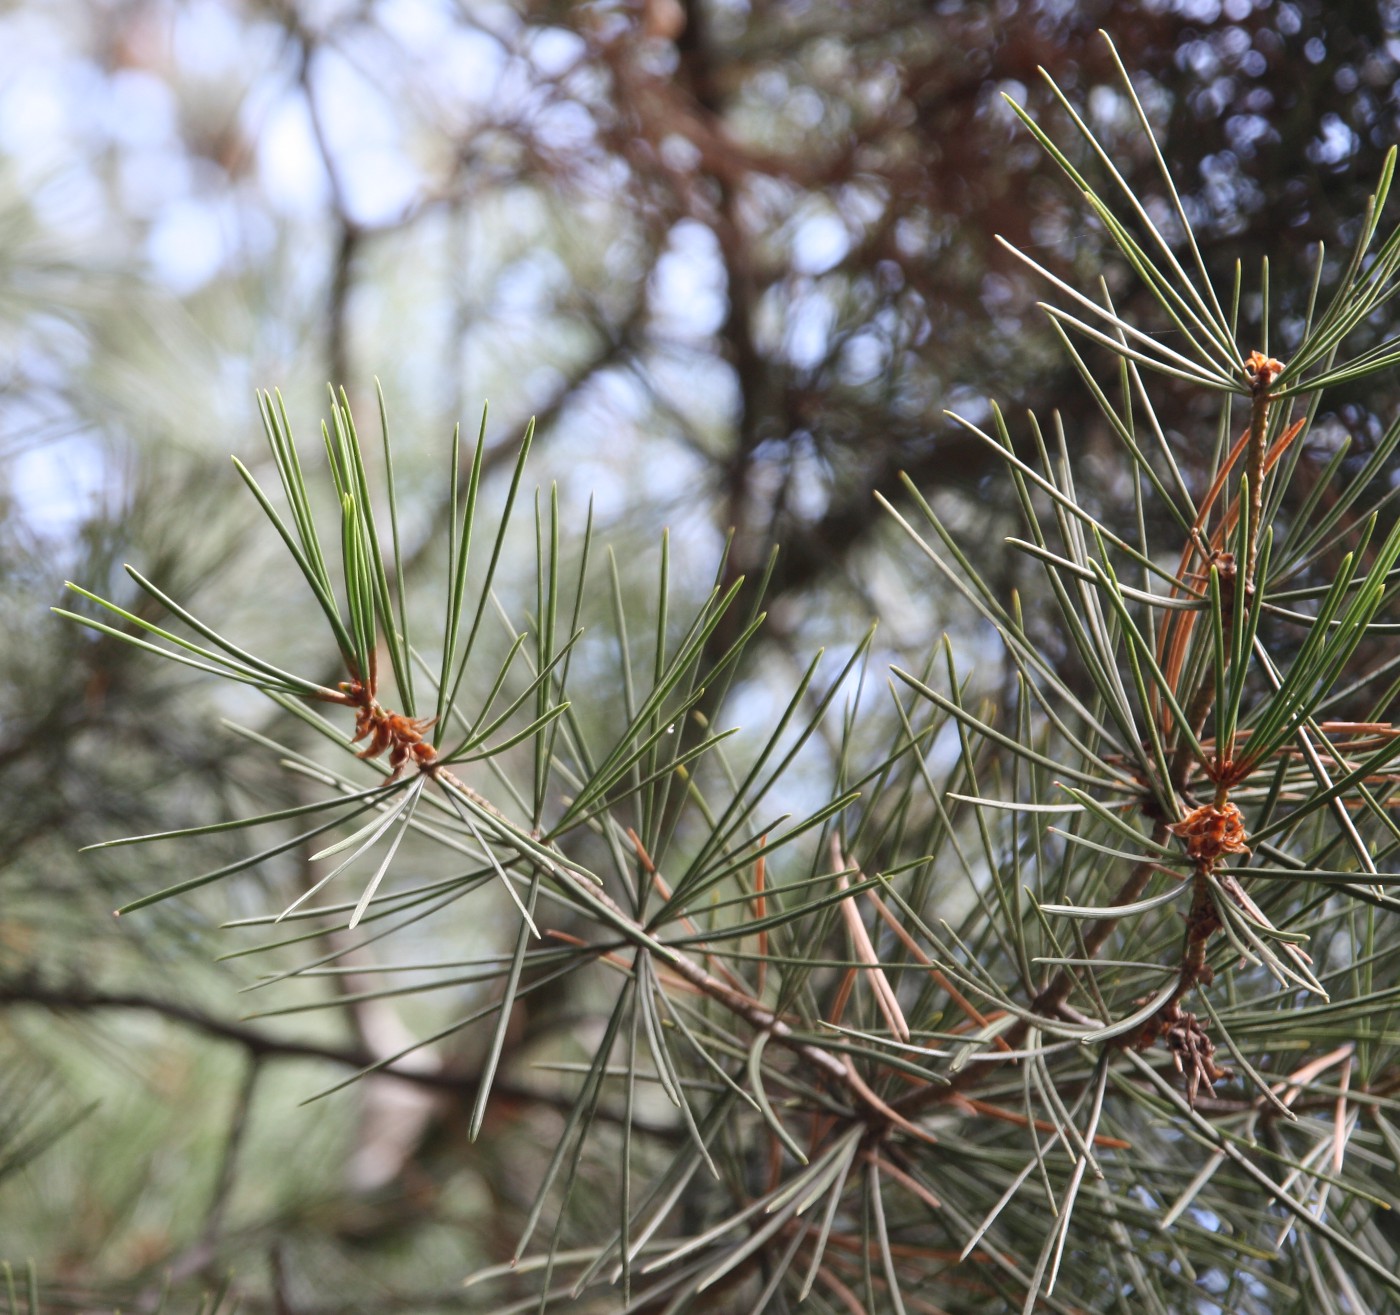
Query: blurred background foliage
(736, 256)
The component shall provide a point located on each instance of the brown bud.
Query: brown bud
(1211, 831)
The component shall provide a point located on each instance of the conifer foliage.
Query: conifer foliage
(1076, 999)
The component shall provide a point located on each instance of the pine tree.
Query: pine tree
(1062, 987)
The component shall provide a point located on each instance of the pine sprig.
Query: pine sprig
(1076, 967)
